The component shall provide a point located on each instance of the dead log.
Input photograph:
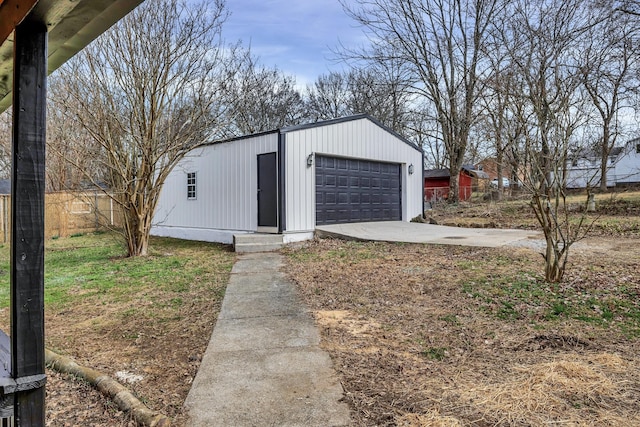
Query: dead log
(125, 400)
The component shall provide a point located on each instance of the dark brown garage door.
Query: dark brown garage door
(350, 190)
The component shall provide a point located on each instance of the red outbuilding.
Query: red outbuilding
(436, 185)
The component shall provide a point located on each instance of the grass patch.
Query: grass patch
(347, 253)
(616, 213)
(92, 268)
(523, 296)
(435, 353)
(450, 318)
(476, 332)
(152, 316)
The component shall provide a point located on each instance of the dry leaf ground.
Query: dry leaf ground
(145, 322)
(420, 334)
(427, 335)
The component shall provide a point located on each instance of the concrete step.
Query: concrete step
(257, 242)
(257, 238)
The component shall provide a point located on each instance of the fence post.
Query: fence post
(5, 218)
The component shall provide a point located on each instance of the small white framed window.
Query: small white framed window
(191, 186)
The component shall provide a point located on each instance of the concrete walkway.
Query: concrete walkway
(413, 232)
(263, 365)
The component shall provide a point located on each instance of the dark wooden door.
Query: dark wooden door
(267, 190)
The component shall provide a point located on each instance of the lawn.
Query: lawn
(429, 335)
(616, 213)
(149, 317)
(421, 335)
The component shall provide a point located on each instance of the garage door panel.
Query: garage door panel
(330, 180)
(330, 163)
(328, 198)
(352, 190)
(343, 198)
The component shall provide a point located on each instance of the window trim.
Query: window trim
(192, 186)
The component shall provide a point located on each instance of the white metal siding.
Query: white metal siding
(627, 169)
(359, 139)
(226, 187)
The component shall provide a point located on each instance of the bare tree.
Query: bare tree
(382, 92)
(328, 97)
(378, 91)
(628, 7)
(503, 105)
(440, 42)
(609, 57)
(70, 148)
(542, 36)
(5, 144)
(423, 129)
(258, 98)
(145, 92)
(496, 117)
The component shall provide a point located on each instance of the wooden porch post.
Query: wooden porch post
(27, 222)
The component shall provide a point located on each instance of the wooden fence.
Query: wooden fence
(68, 213)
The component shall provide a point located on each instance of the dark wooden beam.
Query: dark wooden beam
(72, 24)
(12, 12)
(27, 218)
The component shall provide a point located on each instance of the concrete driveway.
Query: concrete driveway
(413, 232)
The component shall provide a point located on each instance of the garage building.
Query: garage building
(289, 180)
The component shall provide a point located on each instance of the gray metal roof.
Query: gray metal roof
(436, 173)
(616, 151)
(444, 173)
(71, 24)
(477, 173)
(348, 119)
(294, 128)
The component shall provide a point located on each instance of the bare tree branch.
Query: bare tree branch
(147, 92)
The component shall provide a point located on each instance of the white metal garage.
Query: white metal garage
(290, 180)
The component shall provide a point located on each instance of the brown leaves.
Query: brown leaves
(414, 346)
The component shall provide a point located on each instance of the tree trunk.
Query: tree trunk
(499, 159)
(555, 257)
(136, 231)
(604, 159)
(454, 187)
(556, 261)
(138, 244)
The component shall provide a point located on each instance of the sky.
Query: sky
(297, 36)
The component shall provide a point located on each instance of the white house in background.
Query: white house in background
(289, 180)
(623, 167)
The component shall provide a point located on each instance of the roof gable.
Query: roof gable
(346, 119)
(289, 129)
